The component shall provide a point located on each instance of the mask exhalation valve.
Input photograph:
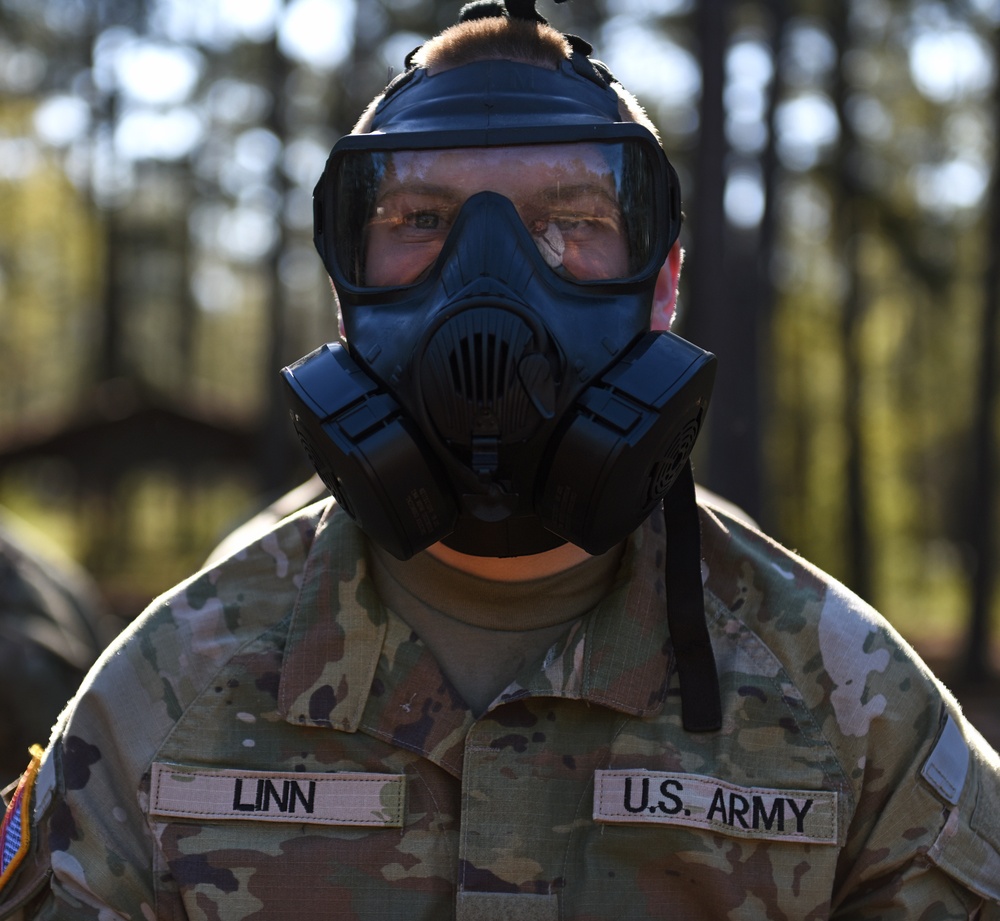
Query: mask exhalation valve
(486, 387)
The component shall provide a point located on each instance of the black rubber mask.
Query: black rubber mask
(499, 388)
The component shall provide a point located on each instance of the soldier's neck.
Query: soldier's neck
(514, 568)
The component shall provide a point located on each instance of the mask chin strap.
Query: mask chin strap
(701, 707)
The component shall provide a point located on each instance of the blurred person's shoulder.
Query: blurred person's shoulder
(38, 582)
(53, 625)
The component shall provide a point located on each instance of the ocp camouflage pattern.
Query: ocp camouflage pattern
(268, 741)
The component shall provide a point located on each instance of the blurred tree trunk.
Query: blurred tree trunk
(111, 363)
(858, 552)
(982, 507)
(743, 339)
(113, 359)
(766, 242)
(278, 454)
(705, 322)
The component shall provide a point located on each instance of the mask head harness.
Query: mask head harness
(495, 242)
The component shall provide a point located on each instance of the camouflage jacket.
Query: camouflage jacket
(268, 741)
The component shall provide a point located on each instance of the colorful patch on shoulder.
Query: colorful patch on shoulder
(15, 832)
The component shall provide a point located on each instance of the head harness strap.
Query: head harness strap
(524, 10)
(516, 9)
(701, 705)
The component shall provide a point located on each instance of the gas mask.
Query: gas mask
(495, 243)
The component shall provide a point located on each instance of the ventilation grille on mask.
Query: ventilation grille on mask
(665, 472)
(474, 377)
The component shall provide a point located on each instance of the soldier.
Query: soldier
(503, 675)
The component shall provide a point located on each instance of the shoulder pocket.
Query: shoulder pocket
(968, 848)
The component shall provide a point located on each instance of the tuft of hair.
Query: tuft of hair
(493, 38)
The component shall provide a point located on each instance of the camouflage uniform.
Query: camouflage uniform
(269, 742)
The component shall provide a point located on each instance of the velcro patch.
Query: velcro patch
(15, 831)
(696, 801)
(344, 798)
(948, 764)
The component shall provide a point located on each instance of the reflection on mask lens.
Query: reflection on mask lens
(588, 206)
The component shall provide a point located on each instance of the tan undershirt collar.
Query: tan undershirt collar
(482, 632)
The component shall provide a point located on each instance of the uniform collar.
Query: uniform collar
(618, 655)
(336, 610)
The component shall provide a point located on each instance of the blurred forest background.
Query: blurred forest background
(841, 173)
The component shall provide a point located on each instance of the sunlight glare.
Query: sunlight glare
(148, 134)
(318, 32)
(744, 198)
(805, 126)
(60, 120)
(656, 69)
(155, 73)
(217, 23)
(947, 65)
(956, 185)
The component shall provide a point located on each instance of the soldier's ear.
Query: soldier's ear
(665, 293)
(340, 313)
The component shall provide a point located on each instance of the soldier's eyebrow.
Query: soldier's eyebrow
(561, 192)
(557, 192)
(394, 187)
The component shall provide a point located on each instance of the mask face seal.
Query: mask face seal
(499, 389)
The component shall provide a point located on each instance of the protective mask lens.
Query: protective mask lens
(590, 207)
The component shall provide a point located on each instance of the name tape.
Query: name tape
(659, 798)
(344, 798)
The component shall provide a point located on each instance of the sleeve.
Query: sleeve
(88, 849)
(933, 845)
(87, 852)
(921, 824)
(917, 890)
(964, 772)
